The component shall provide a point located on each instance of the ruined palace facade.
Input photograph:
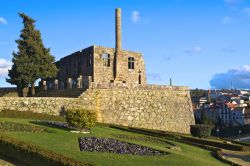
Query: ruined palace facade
(100, 65)
(97, 64)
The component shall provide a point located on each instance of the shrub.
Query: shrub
(81, 118)
(200, 130)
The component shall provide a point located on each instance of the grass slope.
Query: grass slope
(66, 143)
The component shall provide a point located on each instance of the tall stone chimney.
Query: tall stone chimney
(118, 27)
(119, 64)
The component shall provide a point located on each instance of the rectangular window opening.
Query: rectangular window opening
(131, 63)
(89, 60)
(106, 59)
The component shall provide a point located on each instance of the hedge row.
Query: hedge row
(219, 156)
(222, 145)
(12, 126)
(30, 115)
(182, 137)
(237, 142)
(28, 154)
(216, 152)
(232, 131)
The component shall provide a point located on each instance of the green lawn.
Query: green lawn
(66, 143)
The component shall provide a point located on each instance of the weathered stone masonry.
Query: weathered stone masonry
(153, 107)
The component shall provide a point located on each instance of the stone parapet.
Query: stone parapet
(142, 87)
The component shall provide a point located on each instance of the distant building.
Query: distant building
(198, 102)
(226, 114)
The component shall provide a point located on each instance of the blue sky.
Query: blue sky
(198, 43)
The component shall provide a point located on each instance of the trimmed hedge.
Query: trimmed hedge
(216, 152)
(232, 131)
(81, 118)
(186, 138)
(200, 130)
(12, 126)
(29, 154)
(219, 156)
(236, 147)
(30, 115)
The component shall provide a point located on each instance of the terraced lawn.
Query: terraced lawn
(66, 143)
(242, 158)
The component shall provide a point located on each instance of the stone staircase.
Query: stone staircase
(73, 93)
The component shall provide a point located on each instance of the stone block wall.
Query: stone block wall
(153, 107)
(104, 74)
(48, 105)
(157, 108)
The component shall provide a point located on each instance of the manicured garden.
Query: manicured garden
(61, 141)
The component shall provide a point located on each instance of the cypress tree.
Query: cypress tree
(32, 60)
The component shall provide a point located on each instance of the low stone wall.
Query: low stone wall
(48, 105)
(165, 109)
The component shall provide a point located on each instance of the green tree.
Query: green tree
(32, 60)
(205, 119)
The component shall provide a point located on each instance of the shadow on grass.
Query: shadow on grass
(52, 124)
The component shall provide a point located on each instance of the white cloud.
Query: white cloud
(154, 77)
(227, 20)
(2, 20)
(192, 51)
(232, 2)
(135, 17)
(246, 10)
(239, 77)
(4, 67)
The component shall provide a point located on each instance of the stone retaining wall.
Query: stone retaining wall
(168, 110)
(49, 105)
(157, 108)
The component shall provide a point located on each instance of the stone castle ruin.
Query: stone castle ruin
(111, 81)
(101, 66)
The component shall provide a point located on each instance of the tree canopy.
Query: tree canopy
(32, 60)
